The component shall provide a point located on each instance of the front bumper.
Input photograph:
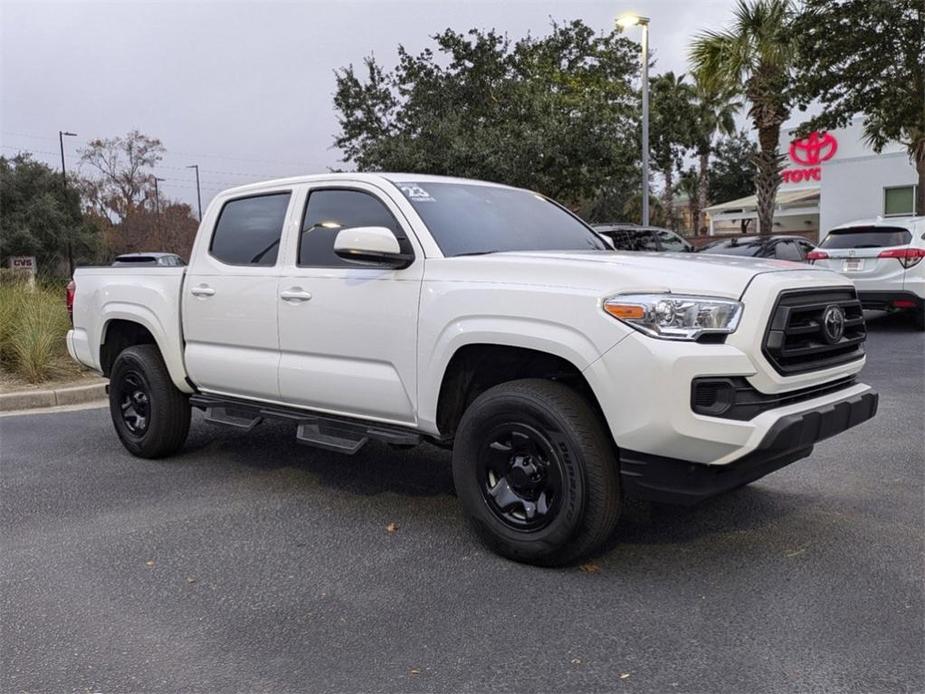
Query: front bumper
(790, 438)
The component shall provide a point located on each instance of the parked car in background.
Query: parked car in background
(883, 257)
(136, 259)
(793, 248)
(632, 237)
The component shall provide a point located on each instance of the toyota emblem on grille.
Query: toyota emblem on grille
(833, 324)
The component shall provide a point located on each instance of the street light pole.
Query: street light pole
(645, 123)
(198, 193)
(70, 246)
(157, 209)
(157, 197)
(643, 22)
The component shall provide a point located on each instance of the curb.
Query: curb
(34, 399)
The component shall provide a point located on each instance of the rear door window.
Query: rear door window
(248, 230)
(633, 240)
(867, 237)
(734, 248)
(787, 250)
(671, 242)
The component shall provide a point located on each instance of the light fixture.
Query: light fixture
(631, 20)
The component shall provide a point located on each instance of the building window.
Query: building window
(898, 201)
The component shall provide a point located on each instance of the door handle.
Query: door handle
(295, 294)
(202, 290)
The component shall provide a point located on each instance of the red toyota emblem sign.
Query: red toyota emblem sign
(813, 149)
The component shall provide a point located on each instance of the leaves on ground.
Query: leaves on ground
(391, 528)
(590, 568)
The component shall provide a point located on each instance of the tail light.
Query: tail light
(69, 293)
(908, 257)
(815, 255)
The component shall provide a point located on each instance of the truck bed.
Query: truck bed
(147, 295)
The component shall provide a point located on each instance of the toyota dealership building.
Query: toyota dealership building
(828, 179)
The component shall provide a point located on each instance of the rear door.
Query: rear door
(348, 332)
(230, 299)
(855, 252)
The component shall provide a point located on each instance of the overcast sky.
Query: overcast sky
(245, 89)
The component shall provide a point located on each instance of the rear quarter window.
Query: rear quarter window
(867, 237)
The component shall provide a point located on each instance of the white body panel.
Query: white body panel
(374, 343)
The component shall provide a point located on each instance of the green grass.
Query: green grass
(33, 324)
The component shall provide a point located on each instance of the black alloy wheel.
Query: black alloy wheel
(135, 402)
(521, 476)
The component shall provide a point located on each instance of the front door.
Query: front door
(230, 300)
(347, 332)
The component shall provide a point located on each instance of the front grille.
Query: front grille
(795, 341)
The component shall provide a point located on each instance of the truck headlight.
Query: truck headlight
(675, 316)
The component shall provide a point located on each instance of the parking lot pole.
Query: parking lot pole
(70, 232)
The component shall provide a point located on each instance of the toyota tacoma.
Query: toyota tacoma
(490, 320)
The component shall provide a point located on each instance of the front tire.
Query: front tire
(536, 473)
(150, 415)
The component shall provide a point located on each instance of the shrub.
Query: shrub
(33, 324)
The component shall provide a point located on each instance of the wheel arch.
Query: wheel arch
(475, 367)
(135, 325)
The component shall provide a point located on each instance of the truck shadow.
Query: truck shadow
(425, 472)
(375, 469)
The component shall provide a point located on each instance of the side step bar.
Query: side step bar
(333, 433)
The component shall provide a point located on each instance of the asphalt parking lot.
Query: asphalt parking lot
(251, 563)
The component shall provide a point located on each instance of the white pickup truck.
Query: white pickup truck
(412, 308)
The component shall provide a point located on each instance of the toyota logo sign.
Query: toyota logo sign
(813, 149)
(833, 324)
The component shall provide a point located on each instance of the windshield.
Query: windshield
(734, 248)
(866, 237)
(467, 219)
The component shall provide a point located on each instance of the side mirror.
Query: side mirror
(370, 246)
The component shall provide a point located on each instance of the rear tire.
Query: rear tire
(150, 415)
(536, 473)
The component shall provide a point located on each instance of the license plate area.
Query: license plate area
(854, 264)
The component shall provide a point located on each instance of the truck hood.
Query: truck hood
(708, 274)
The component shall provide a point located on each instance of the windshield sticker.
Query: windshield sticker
(415, 193)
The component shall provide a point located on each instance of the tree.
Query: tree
(671, 131)
(171, 231)
(689, 185)
(555, 114)
(755, 58)
(38, 216)
(732, 172)
(714, 113)
(632, 209)
(120, 182)
(866, 57)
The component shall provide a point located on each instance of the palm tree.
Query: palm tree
(754, 58)
(670, 131)
(715, 114)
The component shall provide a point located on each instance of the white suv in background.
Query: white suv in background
(883, 257)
